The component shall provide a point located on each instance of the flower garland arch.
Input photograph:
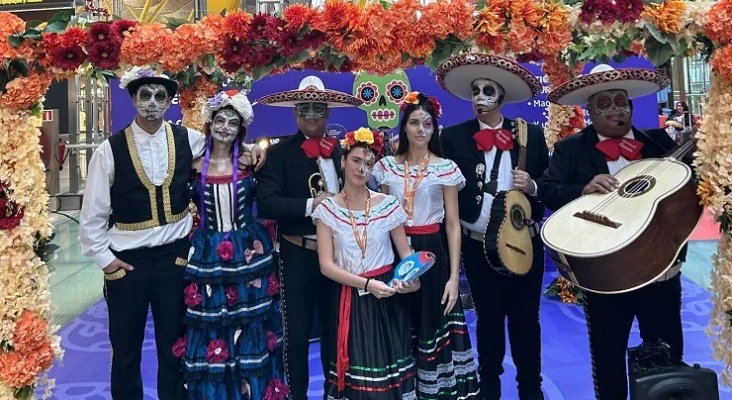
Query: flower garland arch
(339, 38)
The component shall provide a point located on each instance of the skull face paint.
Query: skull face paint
(611, 102)
(225, 126)
(312, 110)
(151, 102)
(420, 125)
(487, 94)
(367, 163)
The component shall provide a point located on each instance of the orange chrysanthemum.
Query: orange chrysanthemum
(376, 52)
(9, 24)
(297, 16)
(212, 27)
(187, 44)
(30, 332)
(554, 31)
(508, 25)
(717, 27)
(722, 62)
(146, 45)
(665, 16)
(16, 371)
(412, 35)
(236, 24)
(337, 20)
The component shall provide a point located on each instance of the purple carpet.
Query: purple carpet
(84, 373)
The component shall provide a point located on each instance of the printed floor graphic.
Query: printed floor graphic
(84, 372)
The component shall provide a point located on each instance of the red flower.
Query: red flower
(105, 55)
(225, 250)
(10, 214)
(270, 225)
(179, 347)
(271, 341)
(217, 351)
(274, 30)
(101, 31)
(231, 296)
(120, 26)
(192, 297)
(68, 54)
(276, 390)
(273, 285)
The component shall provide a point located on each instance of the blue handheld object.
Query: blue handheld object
(412, 267)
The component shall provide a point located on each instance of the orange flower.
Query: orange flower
(412, 35)
(236, 24)
(717, 27)
(30, 331)
(665, 16)
(555, 33)
(212, 27)
(297, 16)
(22, 93)
(187, 44)
(722, 62)
(705, 190)
(146, 45)
(9, 24)
(337, 20)
(18, 370)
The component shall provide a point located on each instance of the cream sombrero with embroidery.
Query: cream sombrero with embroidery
(457, 74)
(311, 90)
(637, 82)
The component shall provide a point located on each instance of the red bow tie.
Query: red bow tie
(319, 147)
(487, 138)
(614, 148)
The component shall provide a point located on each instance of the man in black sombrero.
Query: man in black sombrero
(134, 225)
(301, 171)
(486, 149)
(585, 163)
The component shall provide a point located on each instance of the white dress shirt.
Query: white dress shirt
(613, 167)
(505, 182)
(95, 239)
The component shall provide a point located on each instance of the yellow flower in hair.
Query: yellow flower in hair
(364, 135)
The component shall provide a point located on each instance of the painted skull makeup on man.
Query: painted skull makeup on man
(151, 101)
(312, 110)
(225, 126)
(611, 102)
(487, 94)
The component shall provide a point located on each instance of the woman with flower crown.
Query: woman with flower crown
(232, 347)
(418, 175)
(371, 355)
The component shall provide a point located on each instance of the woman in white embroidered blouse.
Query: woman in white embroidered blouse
(371, 337)
(427, 186)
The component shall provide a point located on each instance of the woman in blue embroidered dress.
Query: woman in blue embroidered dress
(232, 349)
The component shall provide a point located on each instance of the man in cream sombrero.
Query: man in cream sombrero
(585, 163)
(486, 149)
(300, 172)
(134, 225)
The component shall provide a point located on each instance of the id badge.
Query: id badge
(362, 292)
(409, 240)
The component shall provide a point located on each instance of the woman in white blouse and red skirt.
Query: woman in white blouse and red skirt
(371, 356)
(427, 187)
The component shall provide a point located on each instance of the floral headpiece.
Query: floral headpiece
(421, 98)
(231, 98)
(135, 77)
(374, 140)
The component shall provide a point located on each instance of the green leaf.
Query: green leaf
(33, 34)
(660, 37)
(385, 4)
(4, 79)
(17, 67)
(209, 60)
(16, 40)
(223, 12)
(24, 393)
(174, 23)
(32, 24)
(58, 23)
(658, 53)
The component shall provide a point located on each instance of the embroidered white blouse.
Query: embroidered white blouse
(429, 202)
(384, 217)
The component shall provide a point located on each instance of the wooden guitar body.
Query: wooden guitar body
(511, 250)
(626, 239)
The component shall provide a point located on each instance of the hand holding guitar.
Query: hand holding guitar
(522, 181)
(603, 183)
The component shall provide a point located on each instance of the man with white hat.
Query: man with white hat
(134, 225)
(585, 163)
(487, 151)
(301, 171)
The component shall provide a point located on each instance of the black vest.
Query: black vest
(137, 204)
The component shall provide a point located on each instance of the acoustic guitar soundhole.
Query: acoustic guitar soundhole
(517, 217)
(637, 186)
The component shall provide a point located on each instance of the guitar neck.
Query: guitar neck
(522, 158)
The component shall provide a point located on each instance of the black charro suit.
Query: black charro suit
(574, 163)
(283, 196)
(498, 296)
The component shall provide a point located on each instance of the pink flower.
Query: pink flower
(231, 296)
(192, 297)
(271, 341)
(270, 226)
(217, 351)
(225, 250)
(179, 347)
(276, 390)
(273, 286)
